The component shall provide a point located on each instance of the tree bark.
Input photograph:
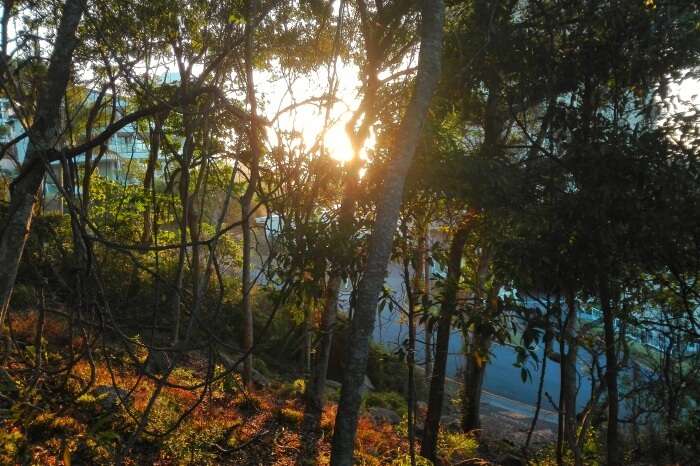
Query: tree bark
(148, 188)
(423, 277)
(474, 373)
(380, 244)
(315, 398)
(568, 375)
(477, 344)
(44, 136)
(613, 454)
(247, 200)
(447, 310)
(540, 386)
(411, 350)
(315, 394)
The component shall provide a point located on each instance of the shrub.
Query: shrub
(405, 460)
(293, 389)
(455, 447)
(291, 416)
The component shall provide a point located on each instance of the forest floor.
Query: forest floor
(85, 412)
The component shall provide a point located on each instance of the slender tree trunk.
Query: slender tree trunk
(561, 419)
(411, 350)
(540, 386)
(39, 335)
(315, 394)
(186, 203)
(568, 370)
(87, 162)
(423, 275)
(474, 373)
(247, 200)
(43, 137)
(477, 344)
(149, 177)
(306, 357)
(447, 311)
(380, 243)
(486, 298)
(613, 453)
(422, 280)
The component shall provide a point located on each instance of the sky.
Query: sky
(309, 119)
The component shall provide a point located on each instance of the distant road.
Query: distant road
(501, 403)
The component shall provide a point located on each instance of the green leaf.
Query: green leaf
(236, 18)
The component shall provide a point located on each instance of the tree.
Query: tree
(44, 136)
(383, 232)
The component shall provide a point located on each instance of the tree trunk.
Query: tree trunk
(477, 344)
(540, 386)
(447, 310)
(247, 200)
(315, 394)
(613, 454)
(423, 277)
(245, 303)
(380, 243)
(44, 135)
(411, 350)
(474, 372)
(568, 375)
(315, 397)
(148, 178)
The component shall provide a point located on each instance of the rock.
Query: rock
(367, 386)
(157, 362)
(451, 423)
(110, 397)
(420, 428)
(229, 360)
(260, 380)
(233, 361)
(383, 415)
(332, 384)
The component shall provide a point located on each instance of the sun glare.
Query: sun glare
(308, 121)
(338, 143)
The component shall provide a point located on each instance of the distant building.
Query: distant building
(126, 145)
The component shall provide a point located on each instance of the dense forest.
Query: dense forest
(373, 232)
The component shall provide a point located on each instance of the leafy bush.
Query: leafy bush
(291, 416)
(456, 447)
(293, 389)
(405, 460)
